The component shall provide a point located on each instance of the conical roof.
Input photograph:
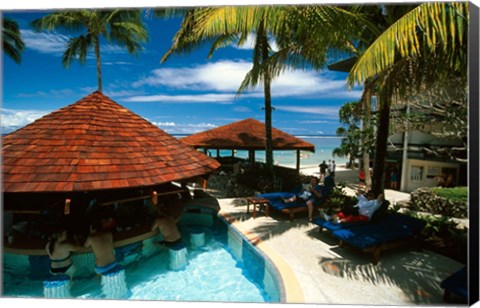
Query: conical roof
(95, 144)
(248, 134)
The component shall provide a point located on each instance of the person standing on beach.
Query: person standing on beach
(323, 170)
(332, 168)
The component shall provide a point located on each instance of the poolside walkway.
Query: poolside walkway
(316, 270)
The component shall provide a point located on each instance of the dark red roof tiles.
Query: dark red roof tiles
(248, 134)
(95, 144)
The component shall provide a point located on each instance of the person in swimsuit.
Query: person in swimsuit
(101, 242)
(60, 250)
(168, 228)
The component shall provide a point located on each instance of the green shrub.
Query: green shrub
(455, 194)
(339, 198)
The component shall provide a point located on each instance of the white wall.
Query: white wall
(421, 173)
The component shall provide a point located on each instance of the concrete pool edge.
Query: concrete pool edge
(290, 289)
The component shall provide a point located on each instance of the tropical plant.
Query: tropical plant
(349, 144)
(223, 26)
(349, 116)
(429, 35)
(339, 198)
(429, 28)
(13, 45)
(121, 27)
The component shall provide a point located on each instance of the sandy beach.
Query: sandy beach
(349, 178)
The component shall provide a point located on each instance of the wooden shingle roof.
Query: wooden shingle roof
(248, 134)
(95, 144)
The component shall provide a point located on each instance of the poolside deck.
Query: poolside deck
(317, 271)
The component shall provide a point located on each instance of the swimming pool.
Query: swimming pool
(224, 268)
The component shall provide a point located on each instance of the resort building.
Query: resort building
(424, 157)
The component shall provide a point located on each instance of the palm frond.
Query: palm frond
(13, 45)
(77, 47)
(430, 27)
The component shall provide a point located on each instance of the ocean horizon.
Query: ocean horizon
(324, 146)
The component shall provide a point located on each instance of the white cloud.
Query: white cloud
(13, 119)
(55, 43)
(313, 122)
(165, 124)
(319, 110)
(226, 76)
(223, 76)
(45, 42)
(177, 128)
(192, 99)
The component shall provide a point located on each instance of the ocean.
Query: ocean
(324, 146)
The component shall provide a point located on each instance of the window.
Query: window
(433, 172)
(416, 174)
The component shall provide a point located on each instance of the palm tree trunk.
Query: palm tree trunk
(99, 64)
(268, 126)
(268, 103)
(367, 111)
(378, 184)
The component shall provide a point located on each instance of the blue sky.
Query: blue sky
(187, 94)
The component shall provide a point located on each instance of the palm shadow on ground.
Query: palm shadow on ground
(402, 267)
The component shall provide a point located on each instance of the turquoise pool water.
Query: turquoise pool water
(213, 272)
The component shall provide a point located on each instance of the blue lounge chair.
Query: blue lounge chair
(331, 226)
(393, 230)
(456, 284)
(291, 208)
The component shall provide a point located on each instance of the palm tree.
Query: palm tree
(429, 35)
(121, 27)
(426, 29)
(349, 116)
(226, 25)
(13, 45)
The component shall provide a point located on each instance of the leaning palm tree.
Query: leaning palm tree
(428, 35)
(224, 26)
(122, 27)
(13, 45)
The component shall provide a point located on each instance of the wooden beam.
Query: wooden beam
(142, 197)
(298, 161)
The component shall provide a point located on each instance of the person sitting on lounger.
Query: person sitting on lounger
(362, 211)
(311, 194)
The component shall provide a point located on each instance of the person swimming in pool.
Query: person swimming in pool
(60, 250)
(101, 242)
